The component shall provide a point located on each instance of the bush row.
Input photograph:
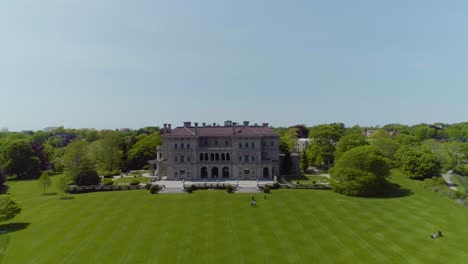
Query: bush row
(100, 188)
(461, 170)
(110, 174)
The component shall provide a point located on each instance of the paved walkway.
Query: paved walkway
(244, 186)
(448, 179)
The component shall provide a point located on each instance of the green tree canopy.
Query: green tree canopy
(20, 159)
(44, 180)
(418, 163)
(9, 208)
(325, 137)
(110, 153)
(361, 171)
(87, 174)
(75, 153)
(348, 142)
(142, 151)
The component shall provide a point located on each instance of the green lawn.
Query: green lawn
(309, 179)
(291, 226)
(129, 179)
(461, 181)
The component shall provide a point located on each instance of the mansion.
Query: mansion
(232, 151)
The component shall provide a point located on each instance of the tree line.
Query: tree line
(356, 155)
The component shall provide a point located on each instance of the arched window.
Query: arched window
(266, 173)
(201, 156)
(228, 156)
(206, 156)
(212, 156)
(214, 172)
(204, 173)
(217, 156)
(225, 172)
(223, 156)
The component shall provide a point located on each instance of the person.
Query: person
(433, 235)
(439, 234)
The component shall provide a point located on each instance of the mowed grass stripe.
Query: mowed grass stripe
(291, 226)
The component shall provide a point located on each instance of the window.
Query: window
(188, 145)
(246, 158)
(182, 172)
(160, 155)
(228, 156)
(175, 158)
(206, 156)
(263, 143)
(272, 144)
(182, 158)
(216, 142)
(217, 156)
(247, 171)
(240, 145)
(201, 156)
(253, 158)
(246, 144)
(253, 145)
(175, 145)
(223, 156)
(240, 158)
(188, 158)
(181, 145)
(212, 156)
(226, 143)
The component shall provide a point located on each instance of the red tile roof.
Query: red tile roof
(223, 131)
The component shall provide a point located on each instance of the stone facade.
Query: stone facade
(231, 151)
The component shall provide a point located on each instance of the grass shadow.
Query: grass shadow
(52, 193)
(395, 191)
(13, 227)
(67, 198)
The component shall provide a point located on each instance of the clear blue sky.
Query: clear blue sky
(112, 64)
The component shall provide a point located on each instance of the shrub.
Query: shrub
(115, 173)
(107, 182)
(462, 170)
(146, 167)
(189, 189)
(107, 174)
(134, 182)
(154, 189)
(86, 175)
(266, 189)
(229, 188)
(276, 185)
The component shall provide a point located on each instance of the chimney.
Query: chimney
(204, 124)
(265, 124)
(214, 124)
(187, 124)
(169, 129)
(246, 123)
(196, 128)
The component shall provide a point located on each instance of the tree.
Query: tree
(44, 180)
(75, 153)
(9, 208)
(3, 187)
(348, 142)
(87, 174)
(62, 184)
(361, 171)
(20, 160)
(326, 137)
(304, 161)
(110, 152)
(289, 139)
(418, 163)
(40, 152)
(387, 145)
(145, 149)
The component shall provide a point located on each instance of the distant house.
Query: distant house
(301, 144)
